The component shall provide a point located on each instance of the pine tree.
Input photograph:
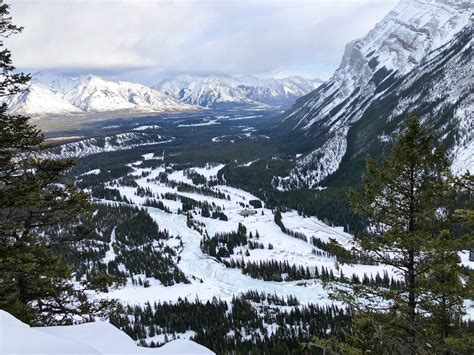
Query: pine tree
(408, 201)
(34, 284)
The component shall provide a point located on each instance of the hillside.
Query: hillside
(418, 58)
(213, 90)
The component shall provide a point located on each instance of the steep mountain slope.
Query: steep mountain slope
(418, 58)
(58, 95)
(204, 91)
(97, 94)
(38, 100)
(218, 89)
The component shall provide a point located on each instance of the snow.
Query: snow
(249, 163)
(92, 172)
(184, 347)
(85, 339)
(464, 158)
(38, 99)
(216, 89)
(57, 95)
(110, 254)
(97, 94)
(412, 33)
(116, 142)
(209, 171)
(218, 280)
(146, 128)
(18, 338)
(206, 123)
(322, 162)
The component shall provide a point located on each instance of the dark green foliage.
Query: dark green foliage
(34, 284)
(222, 326)
(222, 244)
(137, 246)
(196, 178)
(278, 220)
(410, 202)
(272, 270)
(255, 203)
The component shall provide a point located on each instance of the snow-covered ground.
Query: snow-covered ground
(209, 277)
(112, 143)
(218, 280)
(86, 339)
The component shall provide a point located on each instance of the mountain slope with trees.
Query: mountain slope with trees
(418, 58)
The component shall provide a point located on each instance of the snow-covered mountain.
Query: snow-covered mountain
(58, 95)
(418, 58)
(39, 100)
(212, 90)
(96, 94)
(203, 91)
(58, 82)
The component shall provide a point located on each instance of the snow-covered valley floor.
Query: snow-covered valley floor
(211, 278)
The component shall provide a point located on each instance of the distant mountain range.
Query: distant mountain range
(54, 94)
(214, 90)
(60, 95)
(418, 58)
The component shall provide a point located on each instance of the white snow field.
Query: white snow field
(218, 280)
(210, 278)
(97, 338)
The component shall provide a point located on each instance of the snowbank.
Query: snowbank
(99, 338)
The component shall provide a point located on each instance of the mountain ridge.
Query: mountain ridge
(372, 69)
(211, 90)
(60, 95)
(56, 94)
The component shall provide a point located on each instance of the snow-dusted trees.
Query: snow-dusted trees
(411, 202)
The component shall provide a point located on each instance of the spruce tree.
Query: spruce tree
(34, 284)
(410, 203)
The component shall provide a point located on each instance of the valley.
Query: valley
(189, 204)
(185, 191)
(191, 185)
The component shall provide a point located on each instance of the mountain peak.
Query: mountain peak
(378, 80)
(216, 89)
(53, 93)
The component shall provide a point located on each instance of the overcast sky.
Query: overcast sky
(133, 38)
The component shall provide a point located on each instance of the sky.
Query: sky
(143, 40)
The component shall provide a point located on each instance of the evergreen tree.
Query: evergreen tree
(34, 284)
(408, 201)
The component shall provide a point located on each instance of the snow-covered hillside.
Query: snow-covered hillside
(85, 339)
(112, 143)
(60, 95)
(97, 94)
(418, 58)
(39, 100)
(218, 89)
(203, 91)
(208, 277)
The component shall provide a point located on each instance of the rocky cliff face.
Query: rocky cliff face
(418, 58)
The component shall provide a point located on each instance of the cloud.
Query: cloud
(223, 36)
